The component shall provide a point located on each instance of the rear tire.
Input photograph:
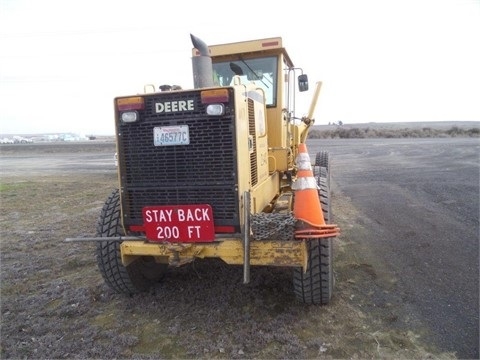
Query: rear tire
(315, 285)
(137, 277)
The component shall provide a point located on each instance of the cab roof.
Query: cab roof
(267, 45)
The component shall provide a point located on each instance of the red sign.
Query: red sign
(179, 223)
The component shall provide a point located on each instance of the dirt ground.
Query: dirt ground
(55, 305)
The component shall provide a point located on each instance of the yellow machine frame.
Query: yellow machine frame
(279, 149)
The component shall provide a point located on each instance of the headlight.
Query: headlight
(129, 116)
(215, 109)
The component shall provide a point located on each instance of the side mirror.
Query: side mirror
(303, 82)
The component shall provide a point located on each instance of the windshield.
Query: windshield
(262, 71)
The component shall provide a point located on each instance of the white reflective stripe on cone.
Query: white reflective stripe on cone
(305, 183)
(303, 161)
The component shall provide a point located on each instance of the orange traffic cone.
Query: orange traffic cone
(307, 208)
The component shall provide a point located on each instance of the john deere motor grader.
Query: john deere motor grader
(219, 171)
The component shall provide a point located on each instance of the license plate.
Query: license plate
(171, 135)
(179, 223)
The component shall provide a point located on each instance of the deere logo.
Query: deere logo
(174, 106)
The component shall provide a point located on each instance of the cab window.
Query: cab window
(262, 71)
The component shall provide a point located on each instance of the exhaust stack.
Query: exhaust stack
(202, 65)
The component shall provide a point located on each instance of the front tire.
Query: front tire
(315, 285)
(137, 277)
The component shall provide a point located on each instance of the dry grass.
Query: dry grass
(54, 303)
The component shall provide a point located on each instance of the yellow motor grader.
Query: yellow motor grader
(219, 171)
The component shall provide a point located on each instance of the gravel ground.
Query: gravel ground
(55, 305)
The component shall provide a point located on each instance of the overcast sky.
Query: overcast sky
(62, 62)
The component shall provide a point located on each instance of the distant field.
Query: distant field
(439, 125)
(397, 130)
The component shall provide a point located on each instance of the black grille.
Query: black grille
(202, 172)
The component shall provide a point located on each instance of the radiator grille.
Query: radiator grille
(202, 172)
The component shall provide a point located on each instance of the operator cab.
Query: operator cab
(264, 62)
